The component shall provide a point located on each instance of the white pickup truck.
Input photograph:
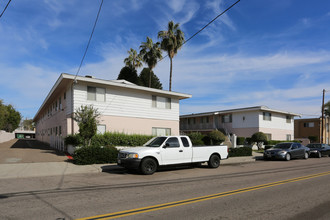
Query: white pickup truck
(170, 150)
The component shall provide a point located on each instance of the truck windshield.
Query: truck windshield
(156, 142)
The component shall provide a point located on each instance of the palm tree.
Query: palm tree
(172, 40)
(133, 61)
(327, 108)
(150, 53)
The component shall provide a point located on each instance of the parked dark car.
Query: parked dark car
(319, 150)
(287, 151)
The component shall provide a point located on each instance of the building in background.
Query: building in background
(243, 122)
(124, 107)
(312, 127)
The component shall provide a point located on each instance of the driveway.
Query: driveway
(28, 151)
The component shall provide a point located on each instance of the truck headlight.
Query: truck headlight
(134, 155)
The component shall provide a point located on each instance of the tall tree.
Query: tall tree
(327, 108)
(129, 74)
(87, 119)
(28, 124)
(144, 79)
(12, 118)
(3, 115)
(150, 53)
(172, 40)
(134, 60)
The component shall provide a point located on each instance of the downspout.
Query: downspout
(72, 107)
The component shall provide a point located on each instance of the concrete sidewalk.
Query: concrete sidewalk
(21, 170)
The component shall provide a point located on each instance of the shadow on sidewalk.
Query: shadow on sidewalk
(36, 145)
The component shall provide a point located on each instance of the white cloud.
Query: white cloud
(176, 5)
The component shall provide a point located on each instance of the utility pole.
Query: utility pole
(322, 122)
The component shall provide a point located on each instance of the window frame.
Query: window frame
(267, 116)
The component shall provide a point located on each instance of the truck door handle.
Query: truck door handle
(180, 150)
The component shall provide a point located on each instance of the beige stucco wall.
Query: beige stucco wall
(278, 134)
(131, 125)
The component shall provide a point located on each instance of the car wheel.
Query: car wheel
(214, 161)
(306, 155)
(287, 157)
(148, 166)
(319, 155)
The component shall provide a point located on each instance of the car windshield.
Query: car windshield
(156, 142)
(282, 146)
(314, 145)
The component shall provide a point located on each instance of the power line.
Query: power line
(211, 21)
(90, 38)
(207, 25)
(5, 8)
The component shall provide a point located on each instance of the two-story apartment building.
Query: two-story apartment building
(306, 127)
(243, 122)
(124, 107)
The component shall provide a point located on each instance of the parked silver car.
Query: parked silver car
(287, 151)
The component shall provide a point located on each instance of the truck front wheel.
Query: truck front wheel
(148, 166)
(214, 161)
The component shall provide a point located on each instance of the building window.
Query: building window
(288, 137)
(227, 118)
(268, 136)
(267, 116)
(161, 131)
(309, 124)
(55, 131)
(64, 96)
(161, 102)
(191, 121)
(101, 129)
(205, 120)
(288, 119)
(60, 130)
(95, 94)
(60, 103)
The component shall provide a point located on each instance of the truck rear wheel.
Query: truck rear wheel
(148, 166)
(214, 161)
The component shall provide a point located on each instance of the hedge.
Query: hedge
(240, 140)
(95, 155)
(120, 139)
(196, 138)
(240, 152)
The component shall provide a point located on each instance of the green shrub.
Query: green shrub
(259, 138)
(73, 139)
(240, 152)
(120, 139)
(248, 141)
(216, 137)
(196, 138)
(95, 155)
(313, 139)
(240, 140)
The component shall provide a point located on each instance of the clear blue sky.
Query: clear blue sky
(273, 53)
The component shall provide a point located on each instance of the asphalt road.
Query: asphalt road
(297, 189)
